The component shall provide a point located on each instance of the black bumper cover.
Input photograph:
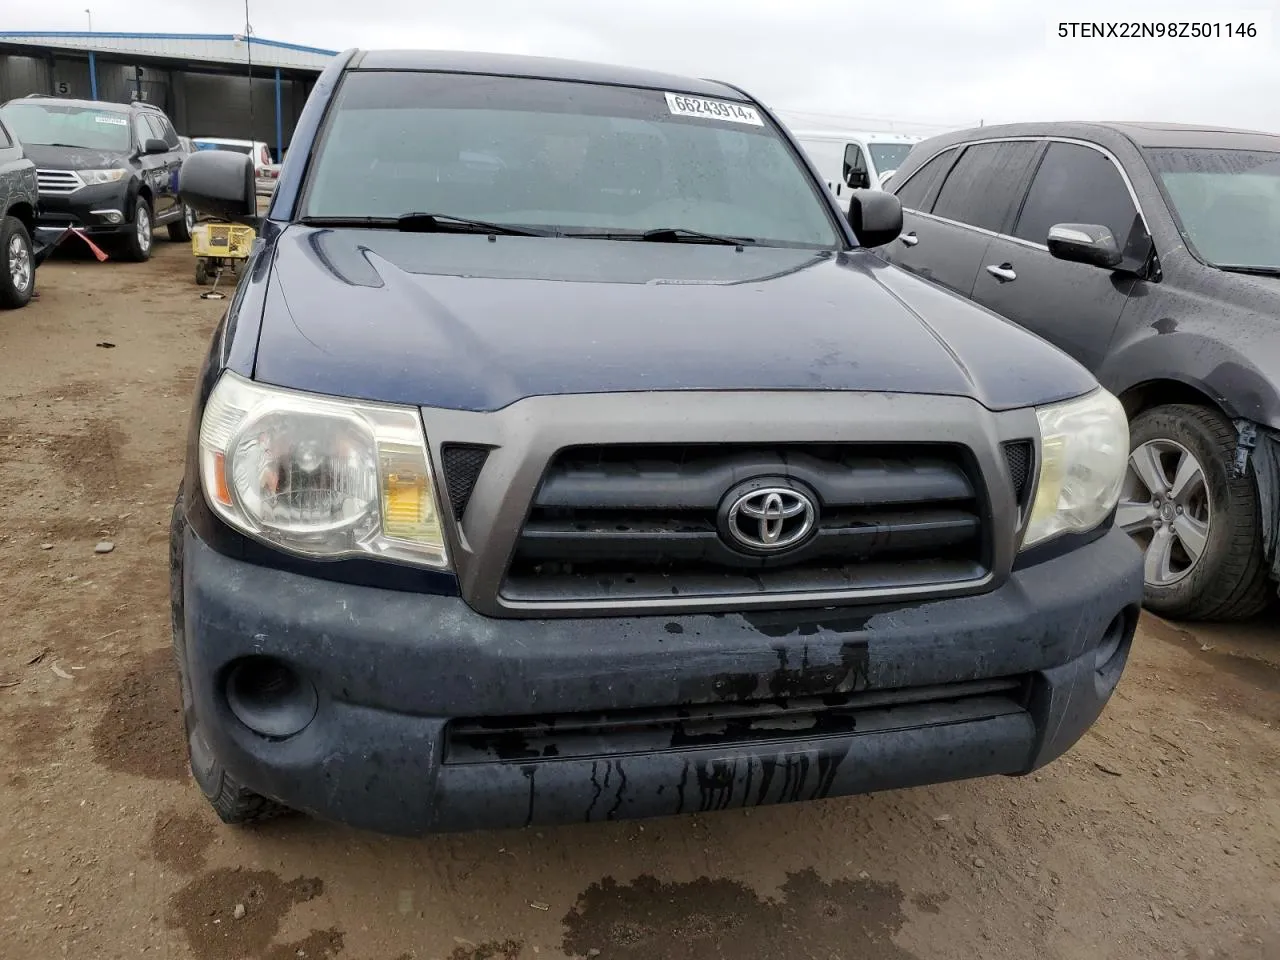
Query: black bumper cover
(393, 669)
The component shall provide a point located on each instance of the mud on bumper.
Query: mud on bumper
(422, 715)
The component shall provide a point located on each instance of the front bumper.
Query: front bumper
(393, 670)
(86, 209)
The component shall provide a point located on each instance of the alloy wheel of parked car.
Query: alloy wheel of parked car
(180, 229)
(138, 243)
(1196, 521)
(1165, 507)
(18, 273)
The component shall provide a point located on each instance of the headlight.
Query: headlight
(318, 476)
(1084, 448)
(93, 177)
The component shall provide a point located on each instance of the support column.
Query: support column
(279, 122)
(93, 77)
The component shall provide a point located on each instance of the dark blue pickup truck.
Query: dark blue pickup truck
(565, 455)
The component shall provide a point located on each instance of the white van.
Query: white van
(847, 159)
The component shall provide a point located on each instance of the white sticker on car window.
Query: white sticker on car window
(114, 121)
(683, 105)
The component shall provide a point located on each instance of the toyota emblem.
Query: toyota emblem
(768, 519)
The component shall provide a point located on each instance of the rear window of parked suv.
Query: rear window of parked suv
(561, 156)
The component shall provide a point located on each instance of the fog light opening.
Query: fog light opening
(270, 698)
(1113, 649)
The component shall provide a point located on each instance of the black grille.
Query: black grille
(1019, 455)
(631, 522)
(462, 465)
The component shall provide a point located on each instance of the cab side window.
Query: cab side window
(164, 130)
(1076, 184)
(916, 192)
(855, 167)
(985, 184)
(142, 131)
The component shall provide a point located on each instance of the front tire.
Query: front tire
(17, 265)
(139, 241)
(1198, 524)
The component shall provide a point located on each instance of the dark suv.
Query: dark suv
(108, 169)
(1151, 253)
(564, 455)
(18, 200)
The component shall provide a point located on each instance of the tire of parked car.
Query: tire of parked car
(1196, 519)
(139, 241)
(233, 802)
(180, 229)
(17, 265)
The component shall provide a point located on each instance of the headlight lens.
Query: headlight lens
(1084, 448)
(92, 177)
(320, 477)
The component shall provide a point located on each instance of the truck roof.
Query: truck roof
(541, 68)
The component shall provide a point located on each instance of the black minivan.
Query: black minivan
(1150, 253)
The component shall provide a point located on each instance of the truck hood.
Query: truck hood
(73, 158)
(465, 322)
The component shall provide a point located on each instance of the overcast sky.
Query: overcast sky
(936, 62)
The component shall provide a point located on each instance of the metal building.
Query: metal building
(202, 81)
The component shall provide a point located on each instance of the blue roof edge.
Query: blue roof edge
(101, 34)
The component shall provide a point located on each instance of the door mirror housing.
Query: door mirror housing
(220, 184)
(858, 179)
(154, 145)
(876, 217)
(1087, 243)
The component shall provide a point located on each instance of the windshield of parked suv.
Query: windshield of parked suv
(562, 157)
(68, 126)
(888, 156)
(1228, 202)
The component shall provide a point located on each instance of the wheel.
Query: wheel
(1199, 525)
(202, 271)
(180, 229)
(17, 267)
(233, 802)
(137, 243)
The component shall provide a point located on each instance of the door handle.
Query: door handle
(1004, 273)
(909, 239)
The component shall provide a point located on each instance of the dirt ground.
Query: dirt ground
(1157, 836)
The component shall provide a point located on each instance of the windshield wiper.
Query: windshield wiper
(1243, 268)
(424, 223)
(666, 235)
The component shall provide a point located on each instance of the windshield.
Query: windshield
(559, 156)
(888, 156)
(88, 127)
(1228, 202)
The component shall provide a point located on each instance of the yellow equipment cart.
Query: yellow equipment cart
(218, 247)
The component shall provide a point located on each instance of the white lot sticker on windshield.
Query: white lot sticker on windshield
(683, 105)
(117, 121)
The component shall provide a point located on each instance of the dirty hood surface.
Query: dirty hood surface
(462, 322)
(73, 158)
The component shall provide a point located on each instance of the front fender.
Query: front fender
(1221, 372)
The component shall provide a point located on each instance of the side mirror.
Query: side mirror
(858, 180)
(153, 145)
(219, 184)
(1087, 243)
(876, 217)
